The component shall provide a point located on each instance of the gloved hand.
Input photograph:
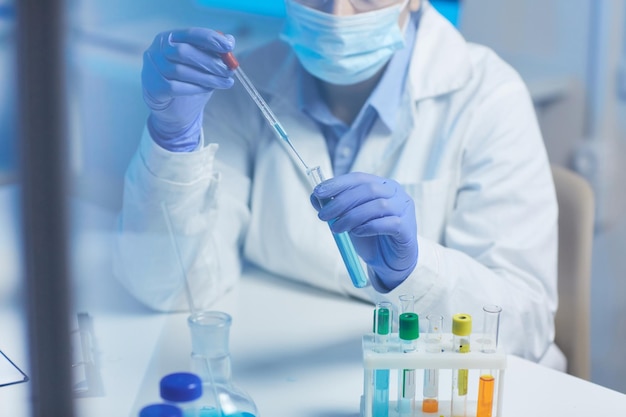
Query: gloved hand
(180, 71)
(380, 218)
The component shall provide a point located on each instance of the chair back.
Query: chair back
(576, 223)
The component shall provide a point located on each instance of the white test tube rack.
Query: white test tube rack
(446, 360)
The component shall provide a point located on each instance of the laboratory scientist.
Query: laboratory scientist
(437, 169)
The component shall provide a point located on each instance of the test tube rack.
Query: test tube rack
(393, 358)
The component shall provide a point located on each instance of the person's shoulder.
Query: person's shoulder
(444, 62)
(490, 69)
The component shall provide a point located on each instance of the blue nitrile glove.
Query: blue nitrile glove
(180, 71)
(380, 218)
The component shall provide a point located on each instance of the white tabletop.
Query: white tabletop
(295, 349)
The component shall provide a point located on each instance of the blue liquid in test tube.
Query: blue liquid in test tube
(343, 241)
(382, 330)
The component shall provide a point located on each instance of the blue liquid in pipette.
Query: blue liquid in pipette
(283, 135)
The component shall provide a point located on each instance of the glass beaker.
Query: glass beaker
(210, 359)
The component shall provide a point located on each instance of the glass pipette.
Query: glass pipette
(344, 243)
(232, 63)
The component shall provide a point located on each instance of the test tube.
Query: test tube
(489, 345)
(382, 325)
(346, 248)
(430, 402)
(407, 303)
(408, 333)
(491, 327)
(461, 330)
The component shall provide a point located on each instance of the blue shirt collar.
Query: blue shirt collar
(385, 98)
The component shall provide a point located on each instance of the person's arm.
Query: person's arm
(174, 177)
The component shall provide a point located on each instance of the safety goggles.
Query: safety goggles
(359, 5)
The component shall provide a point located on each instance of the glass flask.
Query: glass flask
(210, 359)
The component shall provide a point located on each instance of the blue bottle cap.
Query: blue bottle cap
(161, 410)
(181, 387)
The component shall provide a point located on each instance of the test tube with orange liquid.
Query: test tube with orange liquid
(489, 344)
(430, 402)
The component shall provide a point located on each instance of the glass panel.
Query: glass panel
(115, 336)
(14, 360)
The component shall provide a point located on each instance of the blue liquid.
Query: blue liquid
(283, 135)
(212, 412)
(351, 259)
(381, 393)
(407, 393)
(343, 241)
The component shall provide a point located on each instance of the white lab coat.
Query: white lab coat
(466, 147)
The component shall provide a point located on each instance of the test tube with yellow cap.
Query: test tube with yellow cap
(461, 330)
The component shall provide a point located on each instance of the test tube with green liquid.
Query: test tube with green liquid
(383, 321)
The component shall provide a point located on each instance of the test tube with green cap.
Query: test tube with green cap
(407, 303)
(461, 330)
(382, 328)
(409, 333)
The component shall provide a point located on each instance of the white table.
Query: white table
(295, 349)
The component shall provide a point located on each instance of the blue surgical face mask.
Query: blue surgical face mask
(343, 49)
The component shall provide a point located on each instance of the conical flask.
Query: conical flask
(210, 359)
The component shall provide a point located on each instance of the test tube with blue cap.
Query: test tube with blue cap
(343, 241)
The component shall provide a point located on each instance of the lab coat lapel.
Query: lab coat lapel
(448, 67)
